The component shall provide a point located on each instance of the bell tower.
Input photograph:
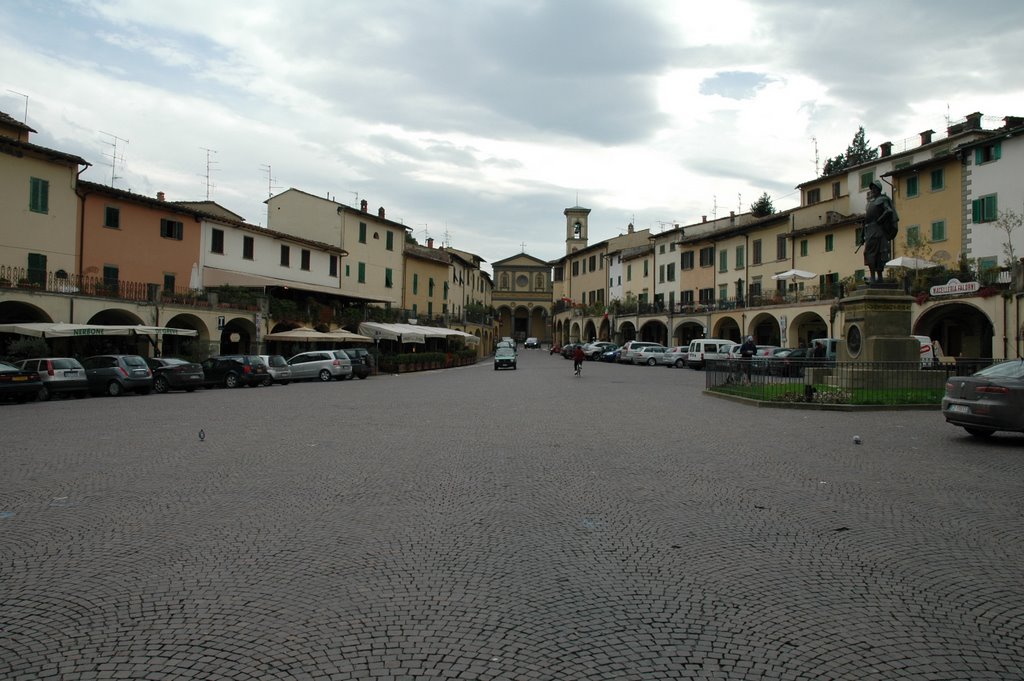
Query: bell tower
(576, 228)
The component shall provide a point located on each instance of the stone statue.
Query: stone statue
(881, 224)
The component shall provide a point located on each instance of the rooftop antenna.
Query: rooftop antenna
(355, 194)
(739, 204)
(114, 158)
(209, 169)
(714, 208)
(447, 236)
(816, 159)
(270, 186)
(21, 94)
(426, 230)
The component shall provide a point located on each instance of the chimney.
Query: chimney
(973, 121)
(380, 212)
(362, 205)
(886, 148)
(703, 218)
(926, 137)
(430, 240)
(629, 229)
(159, 196)
(1012, 121)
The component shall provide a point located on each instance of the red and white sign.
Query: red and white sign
(954, 286)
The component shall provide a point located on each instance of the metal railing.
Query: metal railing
(824, 382)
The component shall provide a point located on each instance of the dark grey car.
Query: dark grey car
(115, 375)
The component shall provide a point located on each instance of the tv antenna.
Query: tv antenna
(447, 237)
(816, 159)
(270, 186)
(209, 169)
(739, 204)
(714, 207)
(22, 94)
(426, 230)
(113, 156)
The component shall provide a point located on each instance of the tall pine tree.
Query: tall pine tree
(858, 152)
(762, 207)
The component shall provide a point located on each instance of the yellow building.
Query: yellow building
(425, 295)
(522, 297)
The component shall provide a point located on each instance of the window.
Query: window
(647, 269)
(755, 287)
(686, 297)
(671, 272)
(248, 247)
(780, 247)
(39, 195)
(813, 196)
(706, 296)
(593, 263)
(415, 284)
(362, 273)
(723, 292)
(332, 266)
(389, 279)
(171, 229)
(362, 232)
(835, 190)
(912, 187)
(629, 273)
(661, 274)
(866, 179)
(662, 249)
(575, 268)
(741, 257)
(938, 180)
(985, 209)
(756, 255)
(723, 260)
(445, 293)
(304, 259)
(37, 269)
(858, 235)
(112, 217)
(939, 230)
(217, 241)
(169, 283)
(584, 265)
(803, 248)
(707, 256)
(110, 276)
(988, 153)
(430, 287)
(389, 241)
(686, 261)
(830, 243)
(286, 256)
(913, 235)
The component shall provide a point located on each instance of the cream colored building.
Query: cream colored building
(522, 297)
(426, 292)
(39, 226)
(372, 271)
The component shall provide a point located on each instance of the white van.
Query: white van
(704, 349)
(928, 357)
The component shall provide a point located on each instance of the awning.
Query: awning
(213, 276)
(411, 333)
(61, 330)
(306, 334)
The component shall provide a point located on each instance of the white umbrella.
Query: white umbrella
(911, 263)
(794, 275)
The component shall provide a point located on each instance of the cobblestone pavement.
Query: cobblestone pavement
(473, 524)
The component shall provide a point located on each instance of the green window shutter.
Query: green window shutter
(39, 195)
(37, 269)
(388, 281)
(991, 211)
(390, 241)
(976, 211)
(979, 156)
(997, 152)
(415, 284)
(362, 273)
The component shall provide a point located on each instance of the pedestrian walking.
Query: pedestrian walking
(747, 352)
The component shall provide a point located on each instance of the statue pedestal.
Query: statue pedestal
(876, 327)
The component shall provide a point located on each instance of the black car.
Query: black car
(20, 385)
(115, 375)
(171, 373)
(360, 362)
(234, 371)
(988, 401)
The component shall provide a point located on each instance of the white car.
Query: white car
(675, 356)
(648, 354)
(631, 348)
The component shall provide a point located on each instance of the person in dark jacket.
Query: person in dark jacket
(577, 359)
(747, 352)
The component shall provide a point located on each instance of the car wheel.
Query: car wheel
(114, 389)
(680, 363)
(325, 375)
(651, 362)
(267, 381)
(231, 381)
(979, 432)
(44, 394)
(160, 385)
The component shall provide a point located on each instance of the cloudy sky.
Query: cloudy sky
(483, 120)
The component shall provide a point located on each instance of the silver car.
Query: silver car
(278, 370)
(60, 376)
(320, 364)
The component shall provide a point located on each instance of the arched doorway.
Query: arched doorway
(238, 337)
(627, 331)
(123, 345)
(764, 327)
(654, 332)
(195, 348)
(804, 328)
(688, 331)
(727, 328)
(962, 329)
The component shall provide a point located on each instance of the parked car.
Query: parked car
(596, 349)
(115, 375)
(989, 400)
(630, 347)
(612, 355)
(703, 349)
(674, 356)
(504, 358)
(172, 373)
(59, 376)
(320, 364)
(531, 343)
(648, 354)
(278, 370)
(20, 385)
(234, 371)
(569, 349)
(789, 362)
(360, 369)
(368, 359)
(762, 357)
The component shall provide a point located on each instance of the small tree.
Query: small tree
(762, 207)
(1009, 221)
